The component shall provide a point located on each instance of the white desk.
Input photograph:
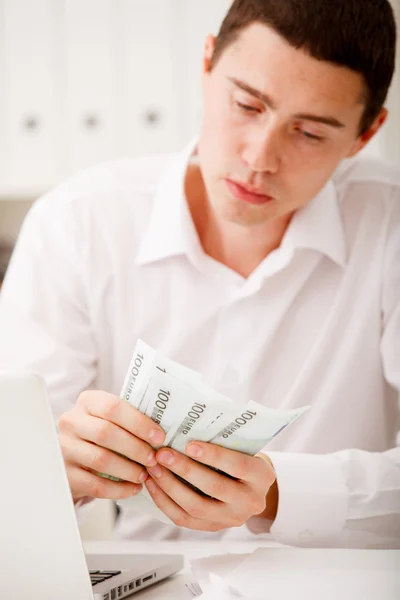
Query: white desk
(174, 588)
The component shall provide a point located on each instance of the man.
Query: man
(265, 256)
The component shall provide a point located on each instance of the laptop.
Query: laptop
(41, 553)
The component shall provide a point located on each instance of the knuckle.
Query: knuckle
(98, 488)
(185, 469)
(111, 404)
(256, 504)
(102, 432)
(139, 425)
(237, 518)
(64, 422)
(84, 397)
(257, 507)
(218, 488)
(242, 467)
(183, 520)
(196, 511)
(135, 473)
(216, 453)
(99, 460)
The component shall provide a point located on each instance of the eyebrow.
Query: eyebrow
(331, 121)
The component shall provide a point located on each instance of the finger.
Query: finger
(175, 512)
(197, 506)
(121, 413)
(101, 460)
(213, 484)
(108, 435)
(242, 467)
(83, 483)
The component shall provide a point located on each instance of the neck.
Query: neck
(238, 247)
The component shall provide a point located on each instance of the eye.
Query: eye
(247, 107)
(310, 136)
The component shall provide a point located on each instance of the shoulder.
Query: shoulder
(368, 179)
(368, 193)
(118, 187)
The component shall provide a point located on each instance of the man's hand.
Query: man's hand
(98, 426)
(232, 501)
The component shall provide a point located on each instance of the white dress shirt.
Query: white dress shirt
(112, 255)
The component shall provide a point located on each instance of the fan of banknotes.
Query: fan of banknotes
(180, 401)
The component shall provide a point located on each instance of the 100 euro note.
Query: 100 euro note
(208, 417)
(175, 406)
(145, 363)
(187, 409)
(243, 428)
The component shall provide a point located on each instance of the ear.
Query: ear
(208, 53)
(363, 140)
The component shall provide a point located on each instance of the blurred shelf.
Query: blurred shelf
(23, 193)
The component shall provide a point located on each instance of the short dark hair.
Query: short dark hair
(358, 34)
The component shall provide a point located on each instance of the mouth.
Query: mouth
(243, 192)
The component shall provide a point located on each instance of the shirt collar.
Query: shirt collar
(171, 232)
(319, 226)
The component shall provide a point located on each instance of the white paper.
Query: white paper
(219, 564)
(220, 589)
(314, 574)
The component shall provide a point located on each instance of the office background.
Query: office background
(86, 81)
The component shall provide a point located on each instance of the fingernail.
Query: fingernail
(165, 457)
(138, 489)
(157, 436)
(143, 476)
(194, 451)
(156, 471)
(151, 459)
(151, 486)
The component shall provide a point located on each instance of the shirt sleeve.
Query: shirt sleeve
(45, 323)
(350, 498)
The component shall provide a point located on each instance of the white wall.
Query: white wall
(84, 81)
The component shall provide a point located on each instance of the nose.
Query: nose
(261, 151)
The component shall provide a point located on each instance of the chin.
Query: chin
(240, 213)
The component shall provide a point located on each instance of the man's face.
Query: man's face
(263, 104)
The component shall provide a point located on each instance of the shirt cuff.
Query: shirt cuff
(313, 499)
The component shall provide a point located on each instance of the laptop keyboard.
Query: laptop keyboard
(100, 576)
(120, 591)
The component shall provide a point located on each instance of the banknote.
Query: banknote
(138, 374)
(167, 398)
(146, 363)
(188, 409)
(243, 428)
(195, 422)
(178, 407)
(249, 428)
